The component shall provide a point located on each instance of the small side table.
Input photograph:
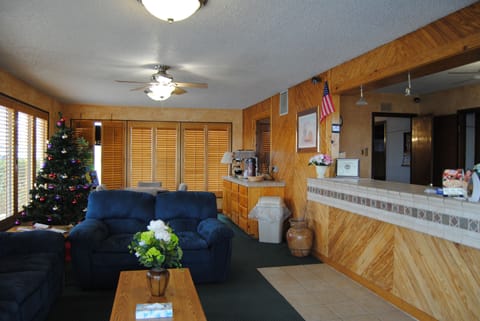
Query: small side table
(63, 229)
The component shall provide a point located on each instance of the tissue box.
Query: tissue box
(153, 311)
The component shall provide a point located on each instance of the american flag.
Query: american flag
(327, 103)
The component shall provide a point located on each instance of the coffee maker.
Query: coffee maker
(244, 163)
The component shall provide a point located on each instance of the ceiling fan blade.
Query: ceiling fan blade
(191, 84)
(464, 72)
(178, 91)
(132, 82)
(140, 88)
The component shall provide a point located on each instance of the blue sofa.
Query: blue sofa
(31, 274)
(99, 244)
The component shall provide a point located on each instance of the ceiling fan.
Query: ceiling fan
(161, 85)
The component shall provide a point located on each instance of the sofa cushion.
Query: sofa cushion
(191, 241)
(121, 204)
(184, 204)
(183, 224)
(27, 288)
(117, 243)
(9, 310)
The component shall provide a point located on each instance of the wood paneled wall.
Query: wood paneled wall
(451, 40)
(160, 114)
(19, 90)
(431, 278)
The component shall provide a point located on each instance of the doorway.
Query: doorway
(263, 145)
(391, 144)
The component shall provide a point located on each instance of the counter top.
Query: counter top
(246, 182)
(405, 205)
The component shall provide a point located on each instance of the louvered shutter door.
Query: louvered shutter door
(113, 154)
(141, 155)
(166, 169)
(218, 143)
(194, 158)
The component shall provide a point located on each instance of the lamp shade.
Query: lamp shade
(172, 10)
(227, 158)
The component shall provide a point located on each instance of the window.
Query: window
(23, 133)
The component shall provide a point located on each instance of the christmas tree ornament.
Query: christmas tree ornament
(74, 201)
(58, 197)
(72, 188)
(64, 151)
(49, 146)
(50, 157)
(64, 136)
(42, 199)
(55, 208)
(51, 186)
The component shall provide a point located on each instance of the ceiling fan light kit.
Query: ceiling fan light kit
(172, 10)
(160, 92)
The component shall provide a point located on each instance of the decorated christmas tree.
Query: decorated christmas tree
(60, 192)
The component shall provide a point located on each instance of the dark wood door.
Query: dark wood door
(421, 164)
(379, 154)
(445, 146)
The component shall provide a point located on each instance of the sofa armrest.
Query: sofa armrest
(31, 242)
(89, 233)
(213, 230)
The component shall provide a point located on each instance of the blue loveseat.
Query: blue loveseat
(99, 244)
(31, 274)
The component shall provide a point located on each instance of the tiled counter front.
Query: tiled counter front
(418, 251)
(403, 205)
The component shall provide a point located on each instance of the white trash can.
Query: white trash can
(270, 212)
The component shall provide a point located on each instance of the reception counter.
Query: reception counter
(405, 205)
(419, 251)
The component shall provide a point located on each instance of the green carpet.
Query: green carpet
(245, 296)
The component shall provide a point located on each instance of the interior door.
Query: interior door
(422, 150)
(445, 146)
(379, 156)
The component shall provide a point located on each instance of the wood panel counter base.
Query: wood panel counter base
(367, 231)
(240, 197)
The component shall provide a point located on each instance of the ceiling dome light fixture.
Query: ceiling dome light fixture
(160, 92)
(172, 10)
(362, 101)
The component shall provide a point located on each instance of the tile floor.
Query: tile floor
(320, 293)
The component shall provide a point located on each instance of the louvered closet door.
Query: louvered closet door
(167, 155)
(218, 142)
(141, 155)
(113, 154)
(194, 156)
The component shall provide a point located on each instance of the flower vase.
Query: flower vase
(157, 279)
(299, 238)
(321, 171)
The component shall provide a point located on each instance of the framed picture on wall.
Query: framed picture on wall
(307, 130)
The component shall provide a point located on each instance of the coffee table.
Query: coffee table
(132, 289)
